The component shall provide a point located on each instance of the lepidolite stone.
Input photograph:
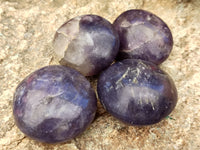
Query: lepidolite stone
(86, 43)
(143, 35)
(137, 92)
(54, 104)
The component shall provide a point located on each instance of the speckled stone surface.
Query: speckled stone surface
(27, 28)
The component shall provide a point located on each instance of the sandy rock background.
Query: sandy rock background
(27, 28)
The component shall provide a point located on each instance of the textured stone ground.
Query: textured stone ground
(27, 28)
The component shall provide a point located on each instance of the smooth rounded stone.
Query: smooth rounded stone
(54, 104)
(143, 35)
(87, 43)
(137, 92)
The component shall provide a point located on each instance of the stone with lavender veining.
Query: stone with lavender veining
(54, 104)
(86, 43)
(137, 92)
(143, 35)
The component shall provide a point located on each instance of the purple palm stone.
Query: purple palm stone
(86, 43)
(137, 92)
(54, 104)
(143, 35)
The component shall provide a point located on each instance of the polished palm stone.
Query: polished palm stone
(86, 43)
(54, 104)
(143, 35)
(137, 92)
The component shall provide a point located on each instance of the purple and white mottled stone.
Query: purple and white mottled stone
(143, 35)
(137, 92)
(54, 104)
(86, 43)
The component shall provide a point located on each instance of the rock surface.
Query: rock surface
(27, 28)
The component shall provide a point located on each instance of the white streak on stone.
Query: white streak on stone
(123, 76)
(125, 24)
(144, 95)
(76, 52)
(37, 109)
(66, 34)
